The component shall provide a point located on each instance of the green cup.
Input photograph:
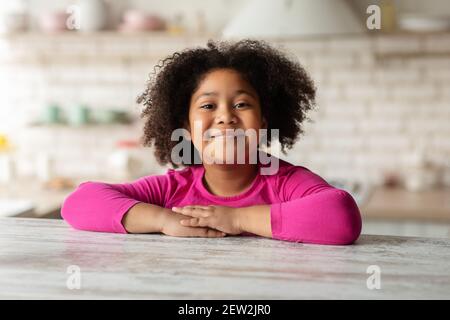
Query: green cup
(79, 115)
(52, 114)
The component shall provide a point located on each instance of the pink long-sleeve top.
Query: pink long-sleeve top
(303, 206)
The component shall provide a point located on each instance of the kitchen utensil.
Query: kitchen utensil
(419, 173)
(52, 114)
(7, 168)
(13, 22)
(44, 166)
(13, 16)
(79, 115)
(124, 162)
(134, 20)
(93, 15)
(53, 22)
(110, 116)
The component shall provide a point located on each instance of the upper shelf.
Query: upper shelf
(37, 35)
(166, 35)
(111, 45)
(39, 47)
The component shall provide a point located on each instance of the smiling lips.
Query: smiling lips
(227, 133)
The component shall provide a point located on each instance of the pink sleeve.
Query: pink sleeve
(314, 211)
(98, 206)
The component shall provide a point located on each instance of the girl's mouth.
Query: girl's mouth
(226, 134)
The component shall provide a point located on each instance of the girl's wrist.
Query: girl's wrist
(237, 219)
(162, 218)
(243, 218)
(255, 219)
(144, 218)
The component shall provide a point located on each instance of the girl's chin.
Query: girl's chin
(227, 157)
(227, 151)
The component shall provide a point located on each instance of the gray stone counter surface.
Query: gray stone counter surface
(47, 259)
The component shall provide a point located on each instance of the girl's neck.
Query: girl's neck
(229, 180)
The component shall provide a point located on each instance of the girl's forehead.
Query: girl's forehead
(224, 79)
(220, 74)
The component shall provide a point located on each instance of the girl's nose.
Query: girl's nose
(225, 116)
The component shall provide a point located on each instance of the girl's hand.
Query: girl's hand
(171, 226)
(216, 217)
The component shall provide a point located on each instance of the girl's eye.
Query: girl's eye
(241, 105)
(207, 106)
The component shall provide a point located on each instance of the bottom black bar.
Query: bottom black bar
(217, 309)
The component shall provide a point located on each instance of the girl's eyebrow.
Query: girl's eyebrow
(245, 92)
(214, 93)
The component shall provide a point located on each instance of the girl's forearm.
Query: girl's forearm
(256, 220)
(144, 218)
(149, 218)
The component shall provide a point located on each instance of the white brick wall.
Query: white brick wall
(377, 96)
(395, 44)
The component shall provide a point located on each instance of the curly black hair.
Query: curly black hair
(285, 90)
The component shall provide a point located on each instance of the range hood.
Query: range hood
(286, 18)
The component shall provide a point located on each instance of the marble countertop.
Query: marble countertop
(47, 259)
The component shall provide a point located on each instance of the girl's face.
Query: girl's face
(224, 100)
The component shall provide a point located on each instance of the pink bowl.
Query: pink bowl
(54, 21)
(137, 21)
(132, 16)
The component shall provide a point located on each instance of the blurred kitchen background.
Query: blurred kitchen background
(70, 72)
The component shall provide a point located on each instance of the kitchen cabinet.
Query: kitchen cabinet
(27, 197)
(396, 211)
(15, 207)
(400, 204)
(43, 203)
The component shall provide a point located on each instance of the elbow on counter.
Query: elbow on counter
(330, 217)
(347, 218)
(73, 209)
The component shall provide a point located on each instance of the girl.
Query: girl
(248, 86)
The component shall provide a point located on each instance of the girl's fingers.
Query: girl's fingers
(205, 233)
(210, 233)
(193, 211)
(186, 211)
(186, 222)
(194, 222)
(196, 207)
(191, 207)
(202, 207)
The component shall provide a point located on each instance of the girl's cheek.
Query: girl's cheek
(198, 144)
(197, 125)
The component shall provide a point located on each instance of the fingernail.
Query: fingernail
(174, 208)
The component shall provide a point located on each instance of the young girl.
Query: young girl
(246, 85)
